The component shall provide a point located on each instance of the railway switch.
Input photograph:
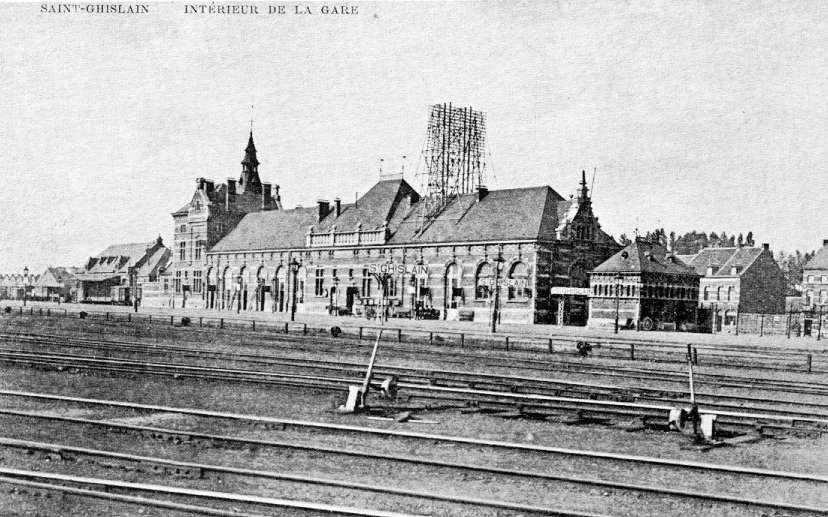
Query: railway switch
(708, 426)
(389, 387)
(354, 401)
(677, 419)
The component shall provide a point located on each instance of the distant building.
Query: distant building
(212, 212)
(112, 275)
(738, 280)
(646, 286)
(815, 280)
(14, 286)
(57, 284)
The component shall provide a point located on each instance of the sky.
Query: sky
(694, 115)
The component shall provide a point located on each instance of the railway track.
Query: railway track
(749, 357)
(184, 437)
(434, 376)
(530, 404)
(545, 365)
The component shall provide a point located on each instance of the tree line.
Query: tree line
(692, 242)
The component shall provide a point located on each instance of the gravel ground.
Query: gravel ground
(790, 454)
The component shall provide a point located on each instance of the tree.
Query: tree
(740, 240)
(749, 239)
(624, 240)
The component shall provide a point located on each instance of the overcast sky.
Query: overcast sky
(697, 115)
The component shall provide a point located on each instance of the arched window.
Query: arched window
(483, 280)
(730, 293)
(519, 282)
(706, 292)
(719, 293)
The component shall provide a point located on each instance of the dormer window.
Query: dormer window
(709, 270)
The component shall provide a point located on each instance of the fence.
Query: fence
(792, 324)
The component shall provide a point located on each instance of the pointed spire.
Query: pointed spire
(250, 153)
(584, 190)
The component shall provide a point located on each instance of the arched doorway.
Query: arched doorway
(226, 288)
(452, 288)
(280, 288)
(242, 283)
(262, 288)
(210, 290)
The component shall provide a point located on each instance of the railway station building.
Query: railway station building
(644, 286)
(526, 246)
(210, 214)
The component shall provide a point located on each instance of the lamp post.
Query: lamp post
(498, 265)
(239, 289)
(618, 279)
(294, 269)
(25, 283)
(336, 295)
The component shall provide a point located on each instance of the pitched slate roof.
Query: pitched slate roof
(642, 256)
(521, 213)
(372, 210)
(500, 215)
(723, 260)
(132, 250)
(819, 260)
(269, 229)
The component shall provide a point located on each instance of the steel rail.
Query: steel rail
(724, 380)
(541, 343)
(224, 469)
(415, 435)
(204, 494)
(314, 480)
(131, 499)
(466, 377)
(475, 333)
(193, 436)
(71, 361)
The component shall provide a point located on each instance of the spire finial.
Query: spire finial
(584, 189)
(251, 119)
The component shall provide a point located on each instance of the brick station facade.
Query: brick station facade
(518, 244)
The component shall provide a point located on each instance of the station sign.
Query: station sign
(520, 283)
(395, 268)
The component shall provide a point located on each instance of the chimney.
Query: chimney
(324, 209)
(231, 191)
(482, 191)
(766, 246)
(210, 186)
(265, 195)
(337, 206)
(200, 183)
(824, 242)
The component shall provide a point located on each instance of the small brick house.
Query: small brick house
(738, 280)
(645, 286)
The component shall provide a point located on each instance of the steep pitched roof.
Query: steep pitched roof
(372, 210)
(521, 213)
(269, 229)
(819, 260)
(134, 250)
(642, 256)
(723, 260)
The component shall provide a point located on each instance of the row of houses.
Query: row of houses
(539, 256)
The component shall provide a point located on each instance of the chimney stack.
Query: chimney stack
(337, 206)
(231, 191)
(200, 183)
(482, 191)
(766, 246)
(324, 209)
(265, 195)
(824, 242)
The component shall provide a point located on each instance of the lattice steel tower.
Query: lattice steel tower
(454, 155)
